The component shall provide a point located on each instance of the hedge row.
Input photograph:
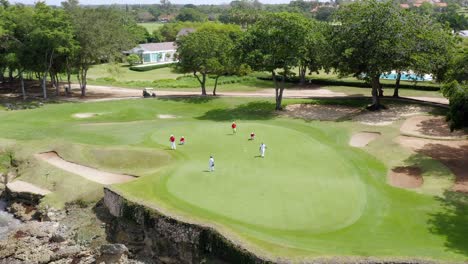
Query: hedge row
(140, 68)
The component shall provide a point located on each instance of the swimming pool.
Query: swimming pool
(406, 76)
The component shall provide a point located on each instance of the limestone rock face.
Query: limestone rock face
(37, 242)
(113, 253)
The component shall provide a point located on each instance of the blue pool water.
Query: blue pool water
(404, 77)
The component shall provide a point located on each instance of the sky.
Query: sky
(100, 2)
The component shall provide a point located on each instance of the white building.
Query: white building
(463, 33)
(155, 53)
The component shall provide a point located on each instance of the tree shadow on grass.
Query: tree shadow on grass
(428, 165)
(260, 110)
(452, 221)
(189, 99)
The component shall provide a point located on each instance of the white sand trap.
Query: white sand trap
(382, 123)
(26, 187)
(84, 115)
(91, 174)
(166, 116)
(361, 139)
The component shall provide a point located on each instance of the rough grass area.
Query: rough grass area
(311, 196)
(151, 26)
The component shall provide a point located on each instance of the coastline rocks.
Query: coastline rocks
(41, 242)
(23, 212)
(113, 253)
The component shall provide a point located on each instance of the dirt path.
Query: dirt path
(106, 93)
(26, 187)
(91, 174)
(436, 100)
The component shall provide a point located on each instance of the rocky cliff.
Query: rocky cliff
(161, 239)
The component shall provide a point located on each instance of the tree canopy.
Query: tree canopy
(365, 42)
(275, 44)
(209, 51)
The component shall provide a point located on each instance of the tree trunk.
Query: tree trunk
(44, 85)
(2, 75)
(83, 82)
(278, 90)
(68, 91)
(203, 87)
(215, 85)
(375, 93)
(302, 74)
(380, 88)
(10, 75)
(54, 81)
(275, 81)
(397, 85)
(202, 82)
(23, 91)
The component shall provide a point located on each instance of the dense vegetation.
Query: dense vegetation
(363, 39)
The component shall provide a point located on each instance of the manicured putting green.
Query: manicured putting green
(289, 189)
(312, 195)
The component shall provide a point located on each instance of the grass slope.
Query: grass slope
(311, 196)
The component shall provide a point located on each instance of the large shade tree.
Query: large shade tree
(312, 53)
(275, 44)
(424, 47)
(51, 37)
(209, 51)
(101, 34)
(365, 40)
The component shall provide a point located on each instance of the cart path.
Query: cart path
(91, 174)
(96, 93)
(26, 187)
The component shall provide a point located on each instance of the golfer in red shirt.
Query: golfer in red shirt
(252, 136)
(234, 127)
(172, 140)
(182, 140)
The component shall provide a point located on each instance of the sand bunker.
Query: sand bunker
(166, 116)
(319, 112)
(91, 174)
(361, 139)
(453, 154)
(26, 187)
(84, 115)
(431, 127)
(406, 177)
(388, 116)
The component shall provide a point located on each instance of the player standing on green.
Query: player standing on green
(262, 150)
(234, 127)
(211, 164)
(172, 140)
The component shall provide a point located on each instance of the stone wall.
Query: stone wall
(151, 235)
(156, 238)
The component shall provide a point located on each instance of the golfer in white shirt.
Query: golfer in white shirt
(211, 164)
(262, 150)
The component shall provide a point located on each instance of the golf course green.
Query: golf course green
(311, 196)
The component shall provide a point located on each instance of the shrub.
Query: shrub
(133, 59)
(458, 108)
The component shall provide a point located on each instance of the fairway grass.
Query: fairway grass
(311, 196)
